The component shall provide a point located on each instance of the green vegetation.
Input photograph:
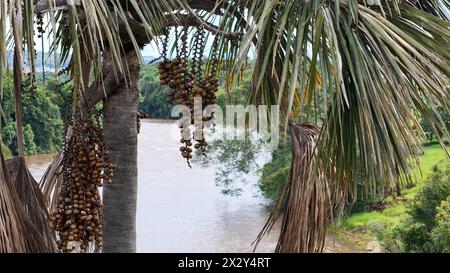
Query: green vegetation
(363, 223)
(388, 224)
(275, 173)
(440, 235)
(396, 209)
(153, 97)
(42, 111)
(234, 160)
(364, 219)
(426, 226)
(431, 138)
(6, 151)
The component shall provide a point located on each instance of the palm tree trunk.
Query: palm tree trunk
(18, 102)
(120, 198)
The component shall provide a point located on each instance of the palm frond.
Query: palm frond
(32, 199)
(18, 234)
(307, 196)
(376, 67)
(51, 181)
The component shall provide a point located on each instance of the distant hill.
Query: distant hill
(49, 61)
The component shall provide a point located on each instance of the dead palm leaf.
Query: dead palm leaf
(52, 179)
(17, 232)
(23, 183)
(31, 197)
(306, 197)
(51, 182)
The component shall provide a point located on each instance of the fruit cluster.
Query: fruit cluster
(175, 74)
(206, 90)
(188, 85)
(77, 218)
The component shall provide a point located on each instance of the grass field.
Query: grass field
(366, 224)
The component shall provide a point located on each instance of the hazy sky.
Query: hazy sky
(150, 50)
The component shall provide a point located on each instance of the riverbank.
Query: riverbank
(364, 228)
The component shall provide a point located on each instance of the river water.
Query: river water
(181, 209)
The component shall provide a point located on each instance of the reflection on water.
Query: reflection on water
(181, 209)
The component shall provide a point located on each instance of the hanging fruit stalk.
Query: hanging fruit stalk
(206, 90)
(187, 85)
(41, 33)
(78, 218)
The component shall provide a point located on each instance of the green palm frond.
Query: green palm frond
(376, 67)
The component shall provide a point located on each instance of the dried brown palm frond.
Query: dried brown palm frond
(22, 182)
(31, 197)
(17, 232)
(51, 182)
(307, 197)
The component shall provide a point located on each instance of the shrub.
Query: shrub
(6, 151)
(436, 190)
(427, 227)
(440, 235)
(28, 139)
(378, 228)
(276, 172)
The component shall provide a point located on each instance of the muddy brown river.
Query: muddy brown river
(182, 210)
